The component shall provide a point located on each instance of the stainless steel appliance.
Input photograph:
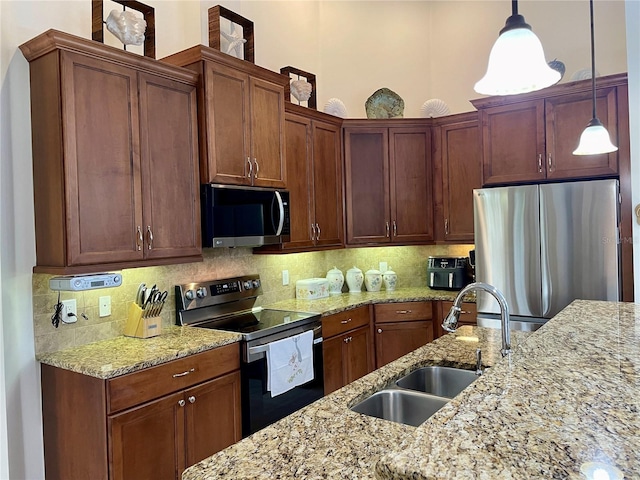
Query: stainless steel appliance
(544, 246)
(448, 273)
(227, 305)
(237, 216)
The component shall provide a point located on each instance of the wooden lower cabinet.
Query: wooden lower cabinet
(400, 328)
(467, 315)
(348, 353)
(148, 424)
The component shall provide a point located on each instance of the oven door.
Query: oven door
(259, 408)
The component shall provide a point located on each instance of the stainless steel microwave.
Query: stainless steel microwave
(236, 216)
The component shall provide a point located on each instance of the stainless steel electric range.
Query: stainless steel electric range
(228, 304)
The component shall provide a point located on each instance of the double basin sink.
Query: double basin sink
(417, 395)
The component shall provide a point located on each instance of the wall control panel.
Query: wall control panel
(85, 282)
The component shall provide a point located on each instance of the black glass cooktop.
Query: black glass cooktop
(260, 323)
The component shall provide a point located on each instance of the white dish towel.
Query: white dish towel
(289, 363)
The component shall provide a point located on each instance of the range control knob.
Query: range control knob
(247, 284)
(201, 292)
(190, 295)
(256, 283)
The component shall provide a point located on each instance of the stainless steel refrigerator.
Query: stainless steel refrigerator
(544, 246)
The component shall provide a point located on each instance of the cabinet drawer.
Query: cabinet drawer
(344, 321)
(139, 387)
(468, 313)
(403, 311)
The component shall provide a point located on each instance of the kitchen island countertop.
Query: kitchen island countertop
(565, 399)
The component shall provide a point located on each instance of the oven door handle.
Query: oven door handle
(264, 348)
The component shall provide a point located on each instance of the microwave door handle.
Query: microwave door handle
(281, 208)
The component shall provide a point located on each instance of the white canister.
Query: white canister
(354, 280)
(373, 280)
(390, 280)
(336, 281)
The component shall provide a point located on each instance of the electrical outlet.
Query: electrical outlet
(383, 267)
(69, 311)
(105, 306)
(285, 277)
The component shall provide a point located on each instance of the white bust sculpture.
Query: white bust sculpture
(127, 27)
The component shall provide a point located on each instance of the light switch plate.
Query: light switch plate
(383, 267)
(285, 277)
(105, 306)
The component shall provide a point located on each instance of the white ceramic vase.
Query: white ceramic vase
(354, 280)
(373, 280)
(336, 281)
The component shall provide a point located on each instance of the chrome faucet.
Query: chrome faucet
(451, 321)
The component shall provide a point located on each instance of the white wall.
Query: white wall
(353, 48)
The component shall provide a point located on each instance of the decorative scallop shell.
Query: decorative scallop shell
(434, 108)
(583, 74)
(301, 90)
(336, 107)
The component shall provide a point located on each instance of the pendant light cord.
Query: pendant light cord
(593, 62)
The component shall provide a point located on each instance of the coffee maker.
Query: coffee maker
(448, 273)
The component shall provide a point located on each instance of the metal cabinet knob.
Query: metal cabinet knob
(379, 330)
(345, 321)
(192, 399)
(181, 403)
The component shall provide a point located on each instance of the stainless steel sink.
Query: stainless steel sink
(401, 406)
(440, 381)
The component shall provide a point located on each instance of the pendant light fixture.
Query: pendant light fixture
(516, 63)
(595, 138)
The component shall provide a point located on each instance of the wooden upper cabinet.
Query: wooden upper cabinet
(531, 137)
(114, 156)
(241, 119)
(458, 167)
(389, 184)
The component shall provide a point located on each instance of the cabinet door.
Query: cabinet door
(461, 173)
(148, 441)
(212, 417)
(394, 340)
(566, 117)
(333, 364)
(411, 185)
(367, 185)
(358, 359)
(170, 179)
(267, 134)
(226, 106)
(327, 184)
(102, 163)
(298, 154)
(513, 142)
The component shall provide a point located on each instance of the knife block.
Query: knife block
(140, 327)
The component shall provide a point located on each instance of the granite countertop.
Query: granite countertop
(567, 397)
(121, 355)
(118, 356)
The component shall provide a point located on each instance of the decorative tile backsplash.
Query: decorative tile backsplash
(409, 262)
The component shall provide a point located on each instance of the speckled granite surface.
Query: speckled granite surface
(326, 439)
(569, 395)
(110, 358)
(338, 303)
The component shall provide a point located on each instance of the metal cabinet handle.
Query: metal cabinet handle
(395, 229)
(539, 163)
(379, 330)
(257, 168)
(387, 227)
(313, 231)
(149, 237)
(176, 375)
(192, 399)
(250, 174)
(446, 226)
(403, 312)
(139, 239)
(348, 339)
(345, 321)
(550, 163)
(318, 230)
(181, 403)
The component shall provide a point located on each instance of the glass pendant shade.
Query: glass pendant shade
(516, 64)
(595, 140)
